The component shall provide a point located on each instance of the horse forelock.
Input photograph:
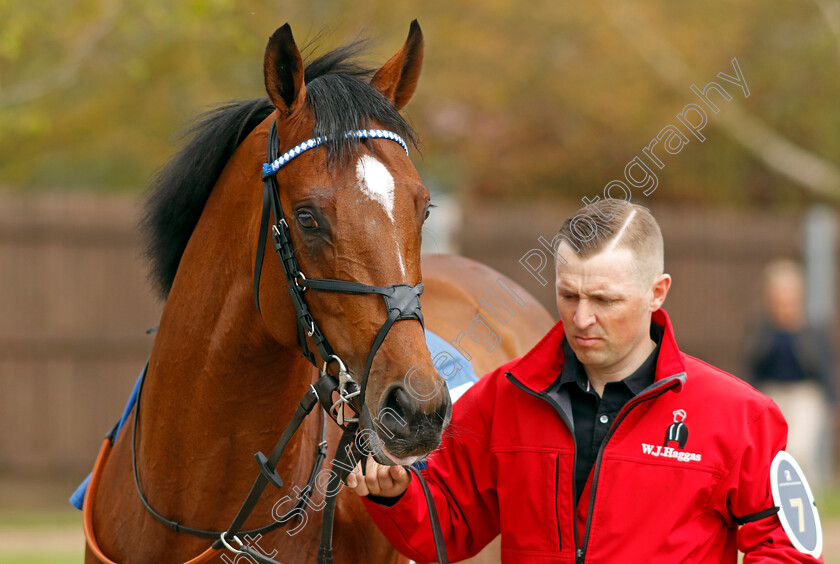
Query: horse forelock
(342, 103)
(340, 97)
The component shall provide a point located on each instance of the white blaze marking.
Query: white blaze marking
(374, 180)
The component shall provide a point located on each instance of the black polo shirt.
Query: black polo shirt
(593, 415)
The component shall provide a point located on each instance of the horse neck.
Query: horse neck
(219, 386)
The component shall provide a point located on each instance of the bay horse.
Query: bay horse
(226, 373)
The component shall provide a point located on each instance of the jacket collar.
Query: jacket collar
(539, 368)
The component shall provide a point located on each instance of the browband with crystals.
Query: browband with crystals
(270, 169)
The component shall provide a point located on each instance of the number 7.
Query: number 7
(796, 503)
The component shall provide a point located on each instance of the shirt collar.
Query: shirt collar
(574, 372)
(538, 369)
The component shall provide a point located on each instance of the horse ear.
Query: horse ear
(284, 71)
(397, 78)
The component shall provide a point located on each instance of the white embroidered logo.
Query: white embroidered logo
(677, 433)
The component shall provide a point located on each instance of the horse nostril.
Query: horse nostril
(410, 424)
(397, 413)
(396, 401)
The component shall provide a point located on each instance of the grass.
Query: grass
(41, 536)
(36, 558)
(54, 536)
(42, 518)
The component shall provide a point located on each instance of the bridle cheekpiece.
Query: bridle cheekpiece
(402, 301)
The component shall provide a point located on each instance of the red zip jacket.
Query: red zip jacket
(683, 464)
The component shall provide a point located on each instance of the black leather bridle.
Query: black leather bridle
(402, 302)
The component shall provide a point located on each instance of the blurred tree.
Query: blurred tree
(517, 101)
(803, 167)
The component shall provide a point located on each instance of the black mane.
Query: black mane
(341, 98)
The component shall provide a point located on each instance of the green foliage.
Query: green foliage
(545, 99)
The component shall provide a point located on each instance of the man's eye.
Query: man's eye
(306, 220)
(605, 301)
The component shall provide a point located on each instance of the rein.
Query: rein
(402, 302)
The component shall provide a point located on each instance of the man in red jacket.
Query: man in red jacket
(562, 451)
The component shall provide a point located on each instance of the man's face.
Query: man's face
(605, 306)
(785, 302)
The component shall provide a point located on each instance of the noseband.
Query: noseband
(402, 301)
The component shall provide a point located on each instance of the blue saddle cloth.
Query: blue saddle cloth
(450, 363)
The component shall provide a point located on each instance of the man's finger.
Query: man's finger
(371, 478)
(400, 476)
(383, 474)
(355, 483)
(370, 465)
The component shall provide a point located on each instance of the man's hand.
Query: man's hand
(384, 481)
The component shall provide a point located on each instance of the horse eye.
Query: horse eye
(306, 220)
(428, 211)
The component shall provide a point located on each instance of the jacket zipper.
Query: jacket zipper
(557, 493)
(650, 393)
(569, 425)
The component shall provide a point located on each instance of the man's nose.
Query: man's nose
(583, 315)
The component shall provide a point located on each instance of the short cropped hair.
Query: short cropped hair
(615, 224)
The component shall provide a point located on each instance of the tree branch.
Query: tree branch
(831, 12)
(803, 167)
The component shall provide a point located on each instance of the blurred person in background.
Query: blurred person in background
(789, 360)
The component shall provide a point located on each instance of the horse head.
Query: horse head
(355, 210)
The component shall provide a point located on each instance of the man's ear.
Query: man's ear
(661, 285)
(397, 78)
(283, 71)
